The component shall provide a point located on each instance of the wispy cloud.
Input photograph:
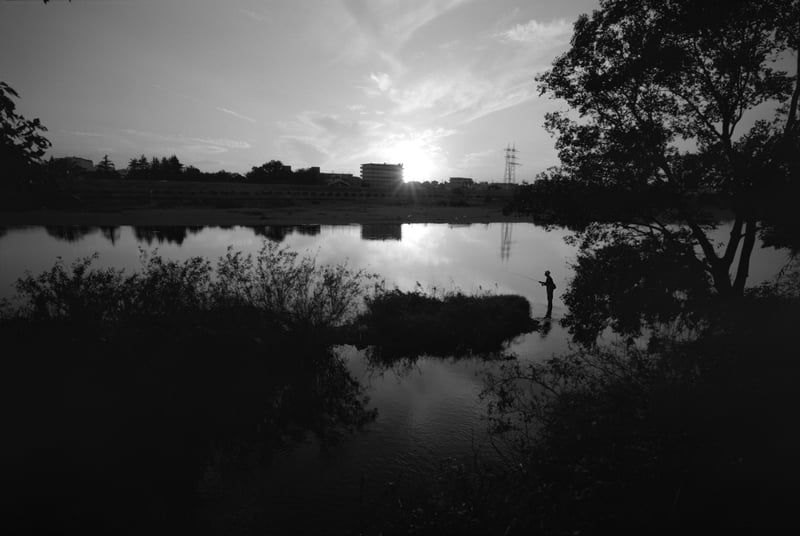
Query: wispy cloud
(254, 15)
(84, 133)
(204, 104)
(458, 96)
(477, 159)
(216, 145)
(223, 142)
(235, 114)
(382, 27)
(553, 33)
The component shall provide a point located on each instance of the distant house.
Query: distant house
(382, 174)
(75, 162)
(461, 181)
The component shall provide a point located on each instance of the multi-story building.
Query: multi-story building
(461, 181)
(382, 174)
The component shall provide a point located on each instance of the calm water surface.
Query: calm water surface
(427, 412)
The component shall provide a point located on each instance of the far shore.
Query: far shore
(300, 214)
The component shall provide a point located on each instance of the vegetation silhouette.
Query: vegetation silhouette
(169, 234)
(22, 142)
(278, 233)
(70, 233)
(134, 388)
(650, 79)
(402, 326)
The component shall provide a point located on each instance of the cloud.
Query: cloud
(553, 33)
(258, 17)
(476, 159)
(180, 143)
(224, 143)
(382, 27)
(235, 114)
(458, 96)
(84, 134)
(204, 104)
(382, 80)
(331, 141)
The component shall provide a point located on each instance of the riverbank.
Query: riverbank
(332, 213)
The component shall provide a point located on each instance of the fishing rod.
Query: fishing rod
(521, 275)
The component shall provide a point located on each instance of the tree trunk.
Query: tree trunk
(716, 266)
(743, 269)
(719, 267)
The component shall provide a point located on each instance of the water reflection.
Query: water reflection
(545, 326)
(505, 240)
(70, 233)
(157, 426)
(278, 233)
(112, 234)
(376, 231)
(164, 234)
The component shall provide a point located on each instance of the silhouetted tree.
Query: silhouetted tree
(273, 171)
(650, 78)
(191, 173)
(105, 169)
(138, 168)
(22, 144)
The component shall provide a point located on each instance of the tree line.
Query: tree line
(170, 168)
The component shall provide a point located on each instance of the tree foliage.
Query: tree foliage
(22, 143)
(660, 93)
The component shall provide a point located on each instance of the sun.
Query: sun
(417, 158)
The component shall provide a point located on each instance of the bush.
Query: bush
(408, 324)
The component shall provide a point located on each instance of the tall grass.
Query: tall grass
(275, 284)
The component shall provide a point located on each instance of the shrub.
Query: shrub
(407, 324)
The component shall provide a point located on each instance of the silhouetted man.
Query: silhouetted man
(548, 283)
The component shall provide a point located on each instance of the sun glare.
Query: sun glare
(417, 159)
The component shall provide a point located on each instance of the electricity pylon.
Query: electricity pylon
(510, 176)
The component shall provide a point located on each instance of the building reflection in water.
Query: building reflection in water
(382, 231)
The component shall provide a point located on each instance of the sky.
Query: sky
(441, 86)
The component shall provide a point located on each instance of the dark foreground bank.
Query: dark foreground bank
(140, 403)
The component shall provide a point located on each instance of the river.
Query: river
(428, 412)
